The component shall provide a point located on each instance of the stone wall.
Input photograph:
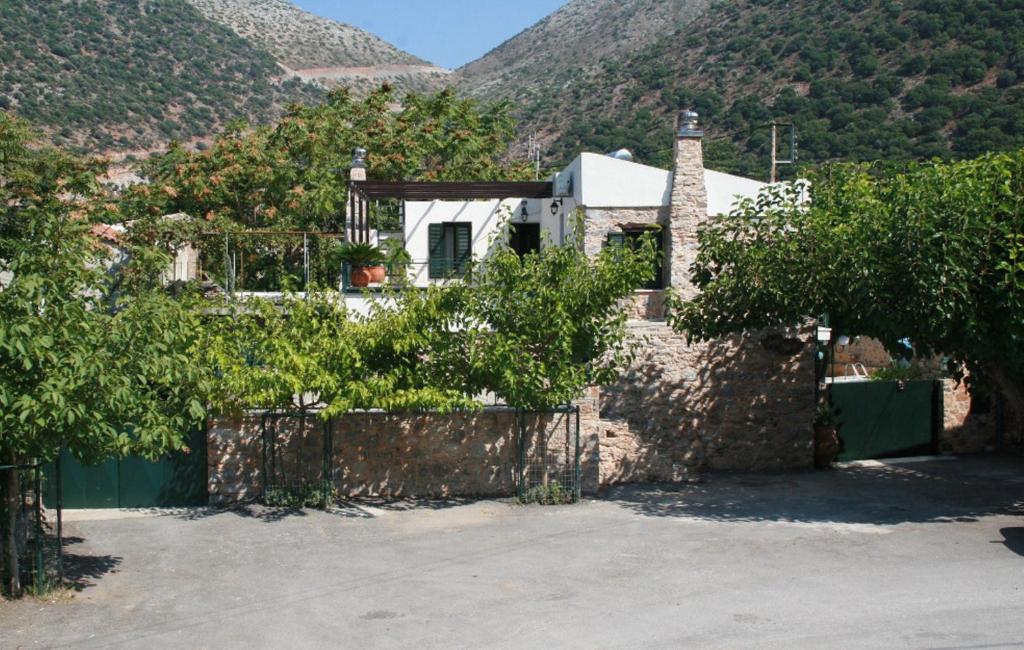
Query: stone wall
(964, 432)
(741, 403)
(389, 455)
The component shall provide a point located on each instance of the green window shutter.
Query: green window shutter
(463, 246)
(438, 265)
(617, 239)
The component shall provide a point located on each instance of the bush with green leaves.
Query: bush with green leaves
(930, 252)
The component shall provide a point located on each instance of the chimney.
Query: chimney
(356, 223)
(689, 206)
(358, 170)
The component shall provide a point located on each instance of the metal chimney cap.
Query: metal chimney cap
(689, 124)
(359, 157)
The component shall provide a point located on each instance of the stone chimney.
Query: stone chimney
(689, 207)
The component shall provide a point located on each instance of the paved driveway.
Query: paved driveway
(924, 555)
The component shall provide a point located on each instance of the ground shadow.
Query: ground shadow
(354, 508)
(937, 491)
(82, 571)
(1013, 538)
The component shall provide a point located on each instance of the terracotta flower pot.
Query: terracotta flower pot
(826, 446)
(361, 276)
(377, 273)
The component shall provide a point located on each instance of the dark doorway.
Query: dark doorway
(524, 238)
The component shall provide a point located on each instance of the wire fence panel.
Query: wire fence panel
(296, 460)
(549, 456)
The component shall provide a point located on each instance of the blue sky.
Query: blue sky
(449, 33)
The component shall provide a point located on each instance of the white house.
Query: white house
(618, 197)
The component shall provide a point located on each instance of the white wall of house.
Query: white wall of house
(598, 182)
(488, 219)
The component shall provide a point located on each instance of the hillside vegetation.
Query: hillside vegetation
(578, 36)
(130, 74)
(320, 49)
(861, 79)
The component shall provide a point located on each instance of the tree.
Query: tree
(295, 173)
(309, 352)
(82, 366)
(931, 252)
(542, 328)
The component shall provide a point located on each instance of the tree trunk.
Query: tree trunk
(8, 542)
(1012, 389)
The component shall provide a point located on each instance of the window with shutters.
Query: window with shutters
(451, 247)
(631, 238)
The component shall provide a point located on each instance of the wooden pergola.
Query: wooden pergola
(362, 192)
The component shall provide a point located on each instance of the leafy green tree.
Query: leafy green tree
(542, 328)
(81, 366)
(294, 175)
(930, 252)
(307, 353)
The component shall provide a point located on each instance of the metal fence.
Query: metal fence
(297, 460)
(38, 540)
(549, 456)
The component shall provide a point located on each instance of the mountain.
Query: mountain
(127, 76)
(860, 79)
(108, 75)
(322, 50)
(578, 36)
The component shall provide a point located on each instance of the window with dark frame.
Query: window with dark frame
(450, 249)
(631, 237)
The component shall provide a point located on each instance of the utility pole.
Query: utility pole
(533, 153)
(775, 160)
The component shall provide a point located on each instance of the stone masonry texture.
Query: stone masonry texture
(394, 455)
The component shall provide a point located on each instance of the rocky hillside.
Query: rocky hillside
(130, 75)
(861, 79)
(322, 50)
(578, 37)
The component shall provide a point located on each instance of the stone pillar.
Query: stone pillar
(689, 207)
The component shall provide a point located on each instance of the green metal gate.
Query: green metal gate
(887, 419)
(176, 480)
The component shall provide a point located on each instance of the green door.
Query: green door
(176, 480)
(886, 419)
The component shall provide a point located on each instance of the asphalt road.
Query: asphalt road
(923, 555)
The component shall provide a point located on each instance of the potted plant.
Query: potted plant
(826, 436)
(366, 261)
(397, 258)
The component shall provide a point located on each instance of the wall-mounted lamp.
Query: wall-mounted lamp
(556, 205)
(524, 213)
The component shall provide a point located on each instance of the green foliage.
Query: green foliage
(553, 320)
(360, 254)
(313, 495)
(930, 252)
(552, 494)
(119, 74)
(535, 332)
(310, 353)
(857, 79)
(898, 373)
(293, 176)
(84, 363)
(81, 363)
